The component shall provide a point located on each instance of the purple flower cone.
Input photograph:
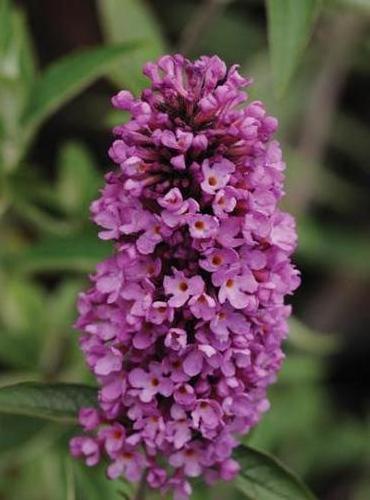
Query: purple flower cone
(183, 325)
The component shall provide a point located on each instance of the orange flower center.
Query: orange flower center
(199, 225)
(183, 286)
(216, 260)
(212, 181)
(230, 283)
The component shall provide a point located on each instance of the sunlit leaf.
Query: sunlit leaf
(303, 337)
(69, 76)
(301, 369)
(5, 27)
(22, 303)
(74, 253)
(263, 477)
(17, 69)
(361, 5)
(124, 21)
(334, 247)
(61, 303)
(57, 340)
(78, 180)
(290, 25)
(60, 402)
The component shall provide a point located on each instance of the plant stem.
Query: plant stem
(140, 493)
(203, 17)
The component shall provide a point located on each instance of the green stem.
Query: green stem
(140, 493)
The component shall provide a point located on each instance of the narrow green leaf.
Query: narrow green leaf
(23, 303)
(62, 304)
(73, 253)
(17, 68)
(363, 5)
(60, 402)
(78, 180)
(126, 20)
(93, 484)
(19, 349)
(15, 431)
(263, 477)
(5, 25)
(67, 77)
(303, 337)
(290, 24)
(334, 247)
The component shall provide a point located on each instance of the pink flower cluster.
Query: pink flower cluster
(183, 325)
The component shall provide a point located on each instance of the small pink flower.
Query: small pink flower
(181, 288)
(156, 477)
(111, 362)
(184, 395)
(147, 242)
(113, 437)
(216, 176)
(193, 363)
(89, 418)
(219, 258)
(172, 201)
(159, 312)
(129, 463)
(87, 448)
(202, 306)
(207, 414)
(179, 430)
(174, 218)
(151, 383)
(236, 288)
(190, 459)
(175, 339)
(203, 226)
(224, 202)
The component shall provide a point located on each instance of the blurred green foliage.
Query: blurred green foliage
(48, 245)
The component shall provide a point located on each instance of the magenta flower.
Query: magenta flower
(183, 325)
(129, 463)
(181, 288)
(150, 383)
(216, 176)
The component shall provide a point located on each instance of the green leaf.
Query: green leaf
(22, 304)
(73, 253)
(5, 26)
(303, 337)
(19, 349)
(334, 247)
(363, 5)
(290, 24)
(59, 402)
(62, 304)
(58, 344)
(126, 20)
(263, 477)
(17, 430)
(17, 69)
(78, 181)
(92, 484)
(67, 77)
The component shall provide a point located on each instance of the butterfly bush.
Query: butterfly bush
(183, 325)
